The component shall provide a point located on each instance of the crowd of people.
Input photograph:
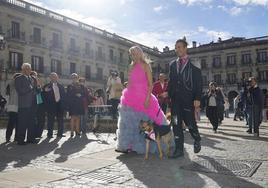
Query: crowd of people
(32, 104)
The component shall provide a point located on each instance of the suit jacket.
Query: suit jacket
(186, 85)
(49, 97)
(157, 90)
(26, 89)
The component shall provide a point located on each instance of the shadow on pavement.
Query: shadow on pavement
(168, 173)
(23, 155)
(71, 146)
(250, 137)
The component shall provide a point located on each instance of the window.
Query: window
(72, 68)
(88, 72)
(15, 60)
(231, 78)
(203, 64)
(15, 30)
(246, 75)
(87, 51)
(55, 40)
(72, 44)
(263, 76)
(99, 73)
(111, 54)
(37, 64)
(262, 57)
(216, 62)
(37, 35)
(56, 66)
(231, 60)
(246, 58)
(122, 77)
(217, 78)
(99, 52)
(204, 80)
(121, 57)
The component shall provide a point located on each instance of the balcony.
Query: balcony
(41, 42)
(89, 54)
(17, 37)
(246, 63)
(75, 51)
(113, 60)
(56, 45)
(231, 65)
(100, 56)
(261, 61)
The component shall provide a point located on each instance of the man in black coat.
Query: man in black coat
(54, 100)
(255, 107)
(26, 88)
(184, 90)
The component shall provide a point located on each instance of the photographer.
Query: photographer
(114, 90)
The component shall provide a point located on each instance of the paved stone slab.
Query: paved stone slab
(27, 177)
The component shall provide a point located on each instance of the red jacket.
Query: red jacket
(158, 90)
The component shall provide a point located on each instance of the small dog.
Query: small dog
(155, 132)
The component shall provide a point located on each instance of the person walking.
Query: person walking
(184, 90)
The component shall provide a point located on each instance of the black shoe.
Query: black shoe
(197, 147)
(121, 151)
(249, 131)
(235, 119)
(60, 136)
(32, 142)
(21, 143)
(49, 136)
(177, 153)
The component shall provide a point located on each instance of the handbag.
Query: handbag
(39, 99)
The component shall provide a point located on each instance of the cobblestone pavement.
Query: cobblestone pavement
(90, 161)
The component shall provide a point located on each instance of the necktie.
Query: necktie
(56, 92)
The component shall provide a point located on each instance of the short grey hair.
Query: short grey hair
(24, 65)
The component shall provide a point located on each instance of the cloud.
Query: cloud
(158, 8)
(105, 24)
(193, 2)
(123, 2)
(252, 2)
(213, 34)
(234, 11)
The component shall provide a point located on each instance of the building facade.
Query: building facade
(55, 43)
(230, 62)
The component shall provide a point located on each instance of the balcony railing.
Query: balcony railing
(19, 36)
(41, 42)
(74, 51)
(100, 56)
(113, 60)
(57, 46)
(89, 54)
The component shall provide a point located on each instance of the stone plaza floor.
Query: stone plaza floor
(229, 158)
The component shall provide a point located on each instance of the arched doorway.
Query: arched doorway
(231, 96)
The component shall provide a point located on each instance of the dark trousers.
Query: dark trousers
(164, 107)
(183, 112)
(254, 118)
(114, 110)
(40, 120)
(26, 117)
(51, 114)
(212, 114)
(12, 123)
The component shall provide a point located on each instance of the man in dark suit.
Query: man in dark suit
(26, 88)
(184, 89)
(54, 96)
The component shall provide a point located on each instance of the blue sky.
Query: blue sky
(161, 22)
